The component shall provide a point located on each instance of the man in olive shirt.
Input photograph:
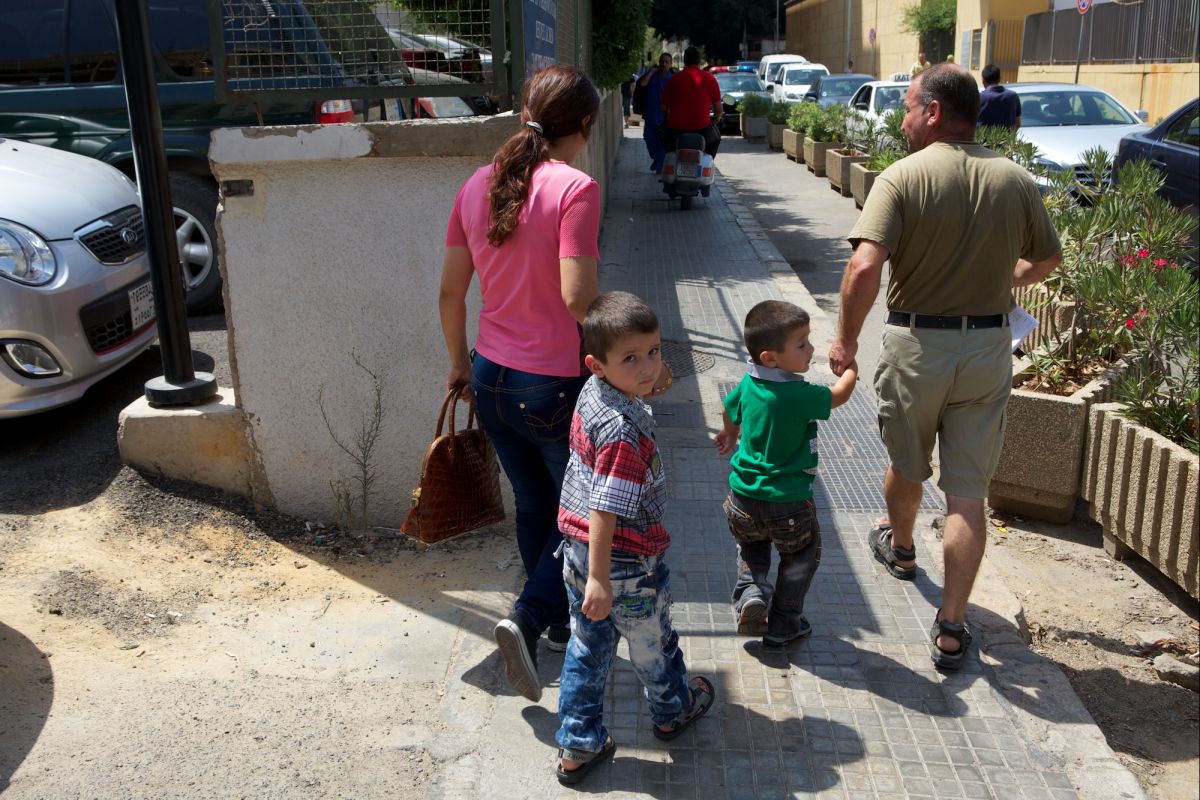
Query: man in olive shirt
(961, 226)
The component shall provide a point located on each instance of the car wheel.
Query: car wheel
(195, 204)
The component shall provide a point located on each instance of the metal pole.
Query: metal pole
(777, 26)
(846, 58)
(1079, 46)
(180, 384)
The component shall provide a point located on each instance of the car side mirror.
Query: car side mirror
(771, 88)
(1142, 114)
(810, 96)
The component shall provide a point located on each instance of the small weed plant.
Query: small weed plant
(352, 495)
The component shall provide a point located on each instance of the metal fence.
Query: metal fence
(1149, 31)
(395, 48)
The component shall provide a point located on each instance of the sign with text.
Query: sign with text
(541, 18)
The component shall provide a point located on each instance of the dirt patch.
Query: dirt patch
(1086, 613)
(125, 610)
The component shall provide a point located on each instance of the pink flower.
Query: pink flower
(1160, 262)
(1143, 253)
(1129, 261)
(1129, 323)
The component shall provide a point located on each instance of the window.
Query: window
(179, 29)
(32, 32)
(91, 44)
(1186, 129)
(976, 47)
(863, 98)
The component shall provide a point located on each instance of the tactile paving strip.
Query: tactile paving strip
(853, 459)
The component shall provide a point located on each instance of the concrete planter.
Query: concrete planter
(1053, 319)
(754, 129)
(837, 168)
(775, 135)
(1143, 489)
(861, 180)
(1044, 438)
(814, 155)
(793, 145)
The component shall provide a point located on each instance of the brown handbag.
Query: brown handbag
(459, 489)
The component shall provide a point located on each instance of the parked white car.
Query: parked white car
(769, 66)
(871, 102)
(1064, 119)
(75, 296)
(795, 80)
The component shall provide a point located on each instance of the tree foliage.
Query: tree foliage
(930, 18)
(618, 31)
(715, 25)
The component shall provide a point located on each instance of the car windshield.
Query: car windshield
(738, 82)
(802, 77)
(840, 86)
(773, 69)
(1071, 107)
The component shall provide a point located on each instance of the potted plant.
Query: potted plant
(1096, 300)
(839, 159)
(818, 140)
(753, 109)
(793, 137)
(777, 117)
(885, 145)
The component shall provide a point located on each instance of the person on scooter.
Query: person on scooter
(692, 104)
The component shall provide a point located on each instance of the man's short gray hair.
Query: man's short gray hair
(954, 89)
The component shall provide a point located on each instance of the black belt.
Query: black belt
(946, 321)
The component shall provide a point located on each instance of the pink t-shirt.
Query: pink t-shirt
(524, 323)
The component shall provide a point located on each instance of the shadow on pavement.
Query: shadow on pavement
(26, 694)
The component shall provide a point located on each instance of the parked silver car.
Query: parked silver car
(75, 297)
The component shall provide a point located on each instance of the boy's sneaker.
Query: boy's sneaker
(557, 638)
(752, 620)
(783, 641)
(518, 647)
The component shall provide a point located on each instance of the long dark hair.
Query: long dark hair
(557, 99)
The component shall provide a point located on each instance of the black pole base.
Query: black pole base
(161, 392)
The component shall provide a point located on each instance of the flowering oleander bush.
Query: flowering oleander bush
(1128, 293)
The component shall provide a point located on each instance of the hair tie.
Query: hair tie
(536, 127)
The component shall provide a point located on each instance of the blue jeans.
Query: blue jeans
(792, 528)
(527, 417)
(641, 612)
(655, 147)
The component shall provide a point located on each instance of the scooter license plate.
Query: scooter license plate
(688, 170)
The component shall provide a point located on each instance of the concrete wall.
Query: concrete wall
(1157, 88)
(338, 251)
(817, 31)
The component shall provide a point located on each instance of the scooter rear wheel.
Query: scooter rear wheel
(685, 202)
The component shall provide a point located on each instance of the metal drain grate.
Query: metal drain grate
(683, 359)
(853, 459)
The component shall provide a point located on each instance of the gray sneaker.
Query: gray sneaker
(518, 647)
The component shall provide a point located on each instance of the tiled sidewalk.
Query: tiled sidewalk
(857, 710)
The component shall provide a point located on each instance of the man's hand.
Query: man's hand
(597, 599)
(841, 354)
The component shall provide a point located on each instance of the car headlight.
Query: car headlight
(24, 256)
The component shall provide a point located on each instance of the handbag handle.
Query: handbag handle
(450, 403)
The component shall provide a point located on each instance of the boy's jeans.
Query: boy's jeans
(527, 417)
(641, 612)
(793, 529)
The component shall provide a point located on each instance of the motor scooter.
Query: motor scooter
(687, 170)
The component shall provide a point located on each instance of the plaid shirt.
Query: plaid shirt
(614, 466)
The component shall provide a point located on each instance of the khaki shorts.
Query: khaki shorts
(949, 384)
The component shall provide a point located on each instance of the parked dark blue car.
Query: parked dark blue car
(1173, 146)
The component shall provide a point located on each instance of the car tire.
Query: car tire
(195, 204)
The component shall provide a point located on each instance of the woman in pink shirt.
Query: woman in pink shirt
(528, 225)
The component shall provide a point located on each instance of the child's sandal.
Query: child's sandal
(587, 761)
(703, 696)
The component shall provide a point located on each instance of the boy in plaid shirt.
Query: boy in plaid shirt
(610, 514)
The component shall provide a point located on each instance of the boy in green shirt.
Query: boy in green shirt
(774, 410)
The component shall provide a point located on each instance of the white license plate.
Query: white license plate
(690, 171)
(141, 305)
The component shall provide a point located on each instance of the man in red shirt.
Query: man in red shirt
(692, 103)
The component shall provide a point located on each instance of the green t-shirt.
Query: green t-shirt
(777, 457)
(955, 218)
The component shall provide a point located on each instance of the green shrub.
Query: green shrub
(882, 159)
(778, 113)
(618, 31)
(754, 105)
(799, 115)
